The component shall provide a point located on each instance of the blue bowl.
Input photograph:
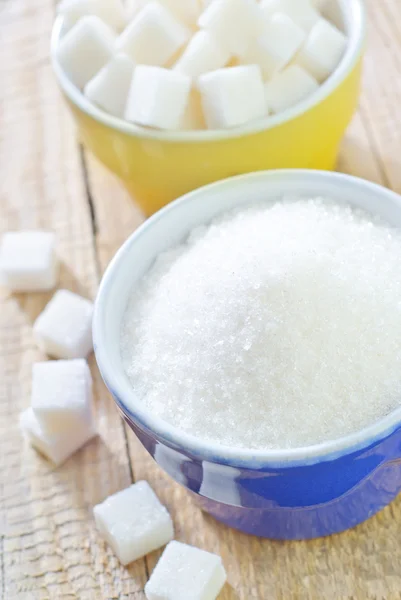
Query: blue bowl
(287, 494)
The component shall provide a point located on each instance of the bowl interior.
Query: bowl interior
(172, 225)
(348, 15)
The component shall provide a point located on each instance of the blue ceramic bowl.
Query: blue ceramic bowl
(287, 494)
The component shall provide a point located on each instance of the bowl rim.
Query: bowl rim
(354, 11)
(218, 453)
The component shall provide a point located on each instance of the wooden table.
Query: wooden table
(50, 548)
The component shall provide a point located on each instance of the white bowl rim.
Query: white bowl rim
(355, 11)
(177, 438)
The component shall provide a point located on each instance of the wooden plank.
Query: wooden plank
(50, 546)
(380, 104)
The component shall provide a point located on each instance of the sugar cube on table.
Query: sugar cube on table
(85, 49)
(109, 88)
(62, 394)
(28, 261)
(59, 446)
(158, 97)
(300, 11)
(111, 12)
(202, 54)
(186, 573)
(323, 50)
(134, 522)
(186, 11)
(232, 96)
(154, 36)
(276, 47)
(288, 88)
(64, 328)
(233, 23)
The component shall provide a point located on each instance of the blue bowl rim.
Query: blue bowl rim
(217, 453)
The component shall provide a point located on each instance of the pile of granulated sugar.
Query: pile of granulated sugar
(275, 327)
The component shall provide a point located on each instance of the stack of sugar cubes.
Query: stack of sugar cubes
(197, 64)
(60, 418)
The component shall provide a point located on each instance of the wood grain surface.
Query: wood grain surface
(49, 547)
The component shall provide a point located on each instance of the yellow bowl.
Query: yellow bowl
(157, 166)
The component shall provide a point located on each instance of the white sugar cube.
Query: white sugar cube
(28, 261)
(205, 3)
(133, 7)
(319, 4)
(109, 88)
(185, 572)
(134, 522)
(158, 97)
(322, 52)
(57, 447)
(300, 11)
(64, 328)
(62, 394)
(111, 12)
(232, 96)
(277, 46)
(233, 23)
(288, 88)
(193, 118)
(85, 49)
(154, 36)
(186, 11)
(202, 54)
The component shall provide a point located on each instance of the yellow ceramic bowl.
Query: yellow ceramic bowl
(157, 166)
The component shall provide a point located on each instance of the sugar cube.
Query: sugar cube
(133, 7)
(300, 11)
(111, 12)
(335, 14)
(85, 49)
(28, 261)
(134, 522)
(288, 88)
(186, 573)
(59, 446)
(319, 4)
(158, 97)
(232, 96)
(322, 51)
(205, 3)
(202, 54)
(233, 23)
(193, 118)
(109, 88)
(154, 36)
(62, 394)
(274, 49)
(64, 328)
(186, 11)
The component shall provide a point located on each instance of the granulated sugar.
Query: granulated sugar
(275, 327)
